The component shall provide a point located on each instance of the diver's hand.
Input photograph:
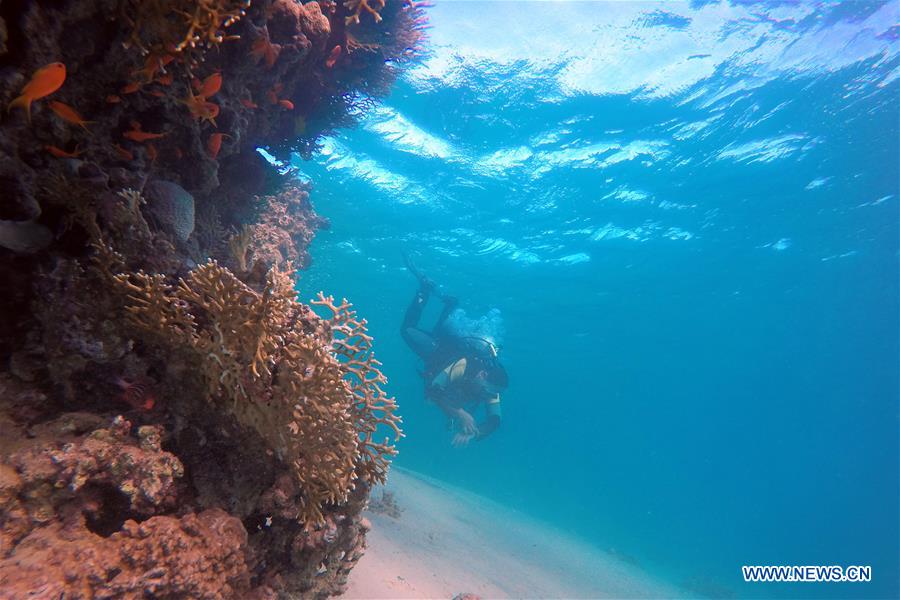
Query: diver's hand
(466, 423)
(461, 439)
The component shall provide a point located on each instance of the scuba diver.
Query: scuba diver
(461, 367)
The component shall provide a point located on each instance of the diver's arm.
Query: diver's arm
(466, 421)
(492, 420)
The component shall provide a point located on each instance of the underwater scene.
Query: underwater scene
(466, 300)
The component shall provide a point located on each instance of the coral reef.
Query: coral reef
(175, 423)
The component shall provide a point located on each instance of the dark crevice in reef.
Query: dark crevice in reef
(163, 395)
(112, 513)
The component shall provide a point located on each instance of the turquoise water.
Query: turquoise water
(688, 217)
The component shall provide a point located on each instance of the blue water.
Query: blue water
(688, 216)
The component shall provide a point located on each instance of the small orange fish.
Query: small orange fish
(158, 93)
(67, 113)
(148, 404)
(136, 393)
(151, 152)
(58, 153)
(166, 79)
(113, 99)
(214, 143)
(210, 85)
(131, 88)
(123, 153)
(286, 104)
(153, 65)
(248, 103)
(333, 56)
(208, 112)
(136, 135)
(44, 82)
(265, 49)
(200, 108)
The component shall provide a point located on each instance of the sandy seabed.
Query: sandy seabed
(447, 541)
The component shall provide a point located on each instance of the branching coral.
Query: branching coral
(239, 244)
(371, 405)
(179, 25)
(309, 387)
(356, 7)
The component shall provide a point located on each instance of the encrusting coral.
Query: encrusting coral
(310, 387)
(283, 229)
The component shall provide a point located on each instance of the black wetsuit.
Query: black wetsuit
(451, 365)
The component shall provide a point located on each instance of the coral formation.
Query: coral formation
(284, 229)
(194, 556)
(274, 365)
(175, 423)
(176, 25)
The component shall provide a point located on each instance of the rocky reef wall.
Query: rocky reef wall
(173, 421)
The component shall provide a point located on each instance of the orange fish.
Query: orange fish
(248, 103)
(158, 93)
(214, 143)
(286, 104)
(263, 48)
(67, 113)
(153, 65)
(58, 153)
(332, 58)
(44, 82)
(165, 79)
(113, 99)
(200, 108)
(123, 153)
(210, 85)
(151, 152)
(131, 88)
(136, 393)
(136, 135)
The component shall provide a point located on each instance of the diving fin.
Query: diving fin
(425, 283)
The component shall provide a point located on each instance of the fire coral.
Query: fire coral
(309, 387)
(181, 24)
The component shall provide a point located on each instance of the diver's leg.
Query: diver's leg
(426, 287)
(421, 342)
(450, 304)
(425, 284)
